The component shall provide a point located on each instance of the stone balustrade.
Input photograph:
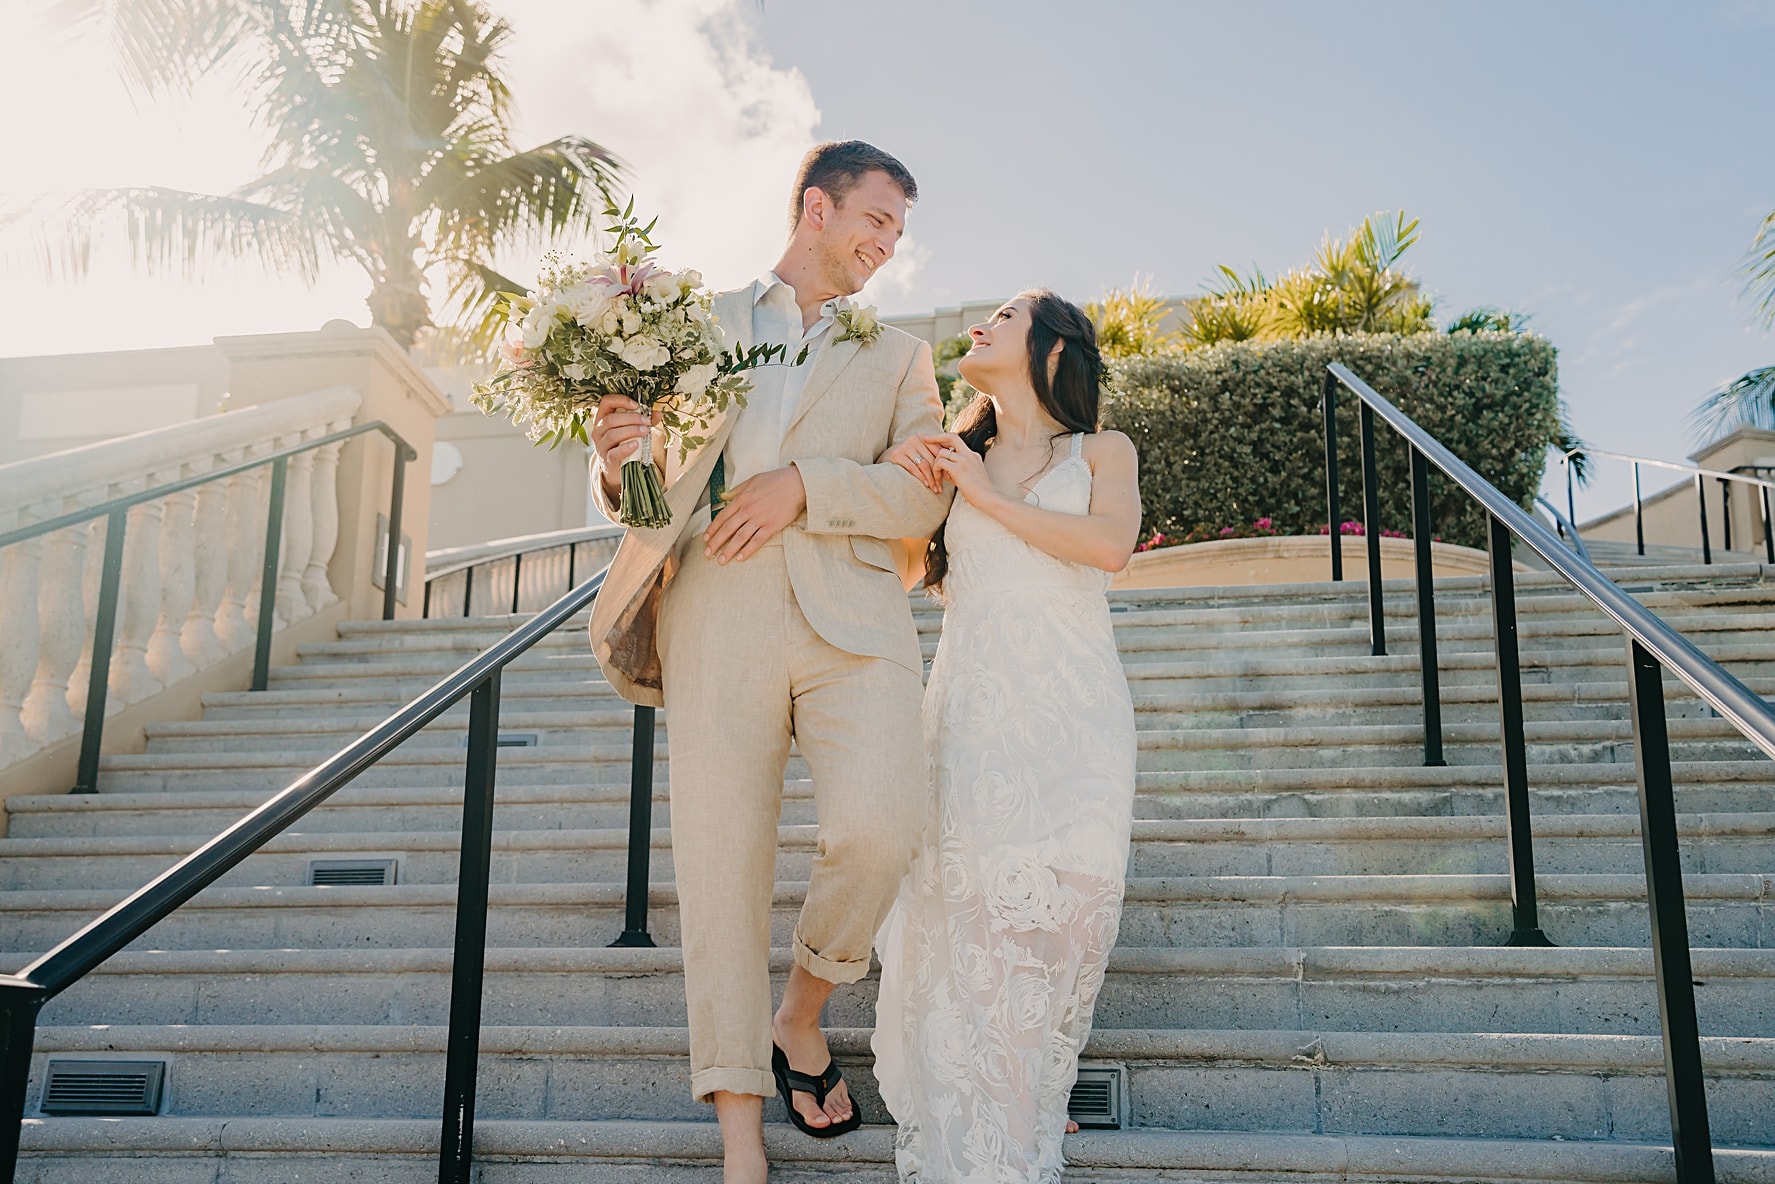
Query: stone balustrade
(191, 562)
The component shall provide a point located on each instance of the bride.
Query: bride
(995, 949)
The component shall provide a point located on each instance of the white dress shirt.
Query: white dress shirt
(756, 443)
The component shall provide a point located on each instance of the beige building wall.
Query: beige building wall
(1671, 512)
(56, 402)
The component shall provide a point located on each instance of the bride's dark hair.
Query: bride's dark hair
(1070, 396)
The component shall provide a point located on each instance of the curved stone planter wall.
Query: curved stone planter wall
(1288, 559)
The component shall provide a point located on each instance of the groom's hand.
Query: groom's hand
(757, 510)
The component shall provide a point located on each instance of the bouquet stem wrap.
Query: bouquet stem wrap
(643, 493)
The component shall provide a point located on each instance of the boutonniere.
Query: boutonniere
(859, 324)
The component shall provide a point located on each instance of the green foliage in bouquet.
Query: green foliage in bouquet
(1233, 432)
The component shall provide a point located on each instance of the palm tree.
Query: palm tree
(390, 147)
(1749, 399)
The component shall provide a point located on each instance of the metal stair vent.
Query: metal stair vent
(1099, 1098)
(351, 873)
(98, 1087)
(515, 740)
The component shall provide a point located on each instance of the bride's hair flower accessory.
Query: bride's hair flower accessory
(623, 325)
(860, 324)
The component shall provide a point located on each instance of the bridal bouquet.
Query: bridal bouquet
(619, 325)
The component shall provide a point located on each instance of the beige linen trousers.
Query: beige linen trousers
(811, 641)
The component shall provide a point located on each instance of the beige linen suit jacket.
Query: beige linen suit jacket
(858, 402)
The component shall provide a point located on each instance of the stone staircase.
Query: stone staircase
(1310, 985)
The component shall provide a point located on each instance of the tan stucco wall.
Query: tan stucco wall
(1671, 513)
(54, 402)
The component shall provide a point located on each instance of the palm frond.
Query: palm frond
(1486, 319)
(1759, 269)
(474, 303)
(1746, 401)
(551, 191)
(170, 229)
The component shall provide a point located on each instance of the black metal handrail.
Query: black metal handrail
(1568, 529)
(1652, 646)
(23, 995)
(1738, 474)
(116, 515)
(516, 553)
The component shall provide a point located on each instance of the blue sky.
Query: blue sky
(1600, 166)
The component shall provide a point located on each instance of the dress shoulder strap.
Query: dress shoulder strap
(1078, 444)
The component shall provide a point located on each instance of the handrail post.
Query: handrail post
(1571, 501)
(92, 734)
(274, 533)
(1332, 509)
(1639, 513)
(1371, 528)
(20, 1001)
(1518, 828)
(517, 579)
(634, 926)
(1701, 500)
(573, 557)
(1725, 513)
(468, 588)
(397, 491)
(1690, 1137)
(1768, 535)
(462, 1047)
(1426, 582)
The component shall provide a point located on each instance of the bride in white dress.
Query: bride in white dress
(995, 950)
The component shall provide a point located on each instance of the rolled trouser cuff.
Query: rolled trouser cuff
(706, 1082)
(841, 973)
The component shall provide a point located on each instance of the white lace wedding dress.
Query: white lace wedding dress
(994, 952)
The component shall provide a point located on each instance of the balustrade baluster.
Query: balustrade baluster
(298, 537)
(132, 680)
(166, 656)
(200, 635)
(246, 531)
(18, 657)
(325, 517)
(92, 571)
(61, 628)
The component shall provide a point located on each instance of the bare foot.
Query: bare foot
(805, 1046)
(742, 1138)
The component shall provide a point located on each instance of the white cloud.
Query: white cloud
(681, 90)
(710, 129)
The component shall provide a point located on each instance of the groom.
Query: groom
(771, 610)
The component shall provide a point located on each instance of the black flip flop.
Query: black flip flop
(790, 1083)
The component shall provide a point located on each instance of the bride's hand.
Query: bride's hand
(964, 467)
(917, 455)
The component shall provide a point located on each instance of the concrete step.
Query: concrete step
(1584, 844)
(1548, 1086)
(1384, 989)
(1405, 791)
(1726, 910)
(404, 1151)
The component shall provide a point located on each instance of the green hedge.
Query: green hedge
(1232, 433)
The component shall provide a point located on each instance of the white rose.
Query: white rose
(537, 324)
(589, 304)
(642, 352)
(611, 322)
(631, 320)
(696, 379)
(691, 278)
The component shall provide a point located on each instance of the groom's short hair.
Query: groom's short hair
(836, 166)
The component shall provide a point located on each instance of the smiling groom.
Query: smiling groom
(771, 610)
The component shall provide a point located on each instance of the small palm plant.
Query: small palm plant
(1749, 399)
(390, 147)
(1128, 321)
